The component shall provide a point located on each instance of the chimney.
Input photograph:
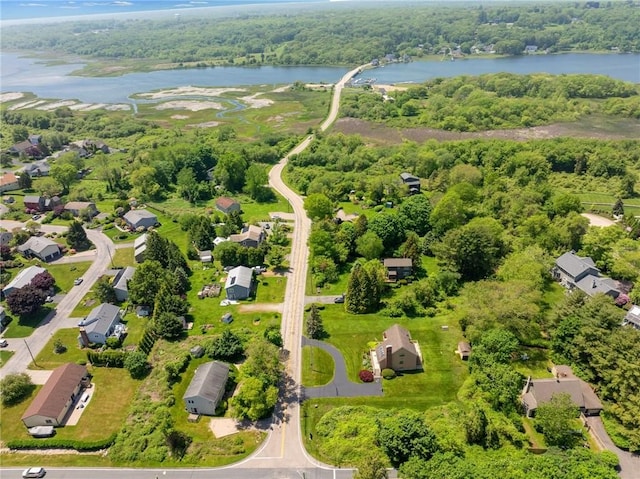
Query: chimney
(388, 357)
(84, 338)
(593, 283)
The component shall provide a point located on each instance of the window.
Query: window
(49, 421)
(401, 363)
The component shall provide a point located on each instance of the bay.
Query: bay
(55, 82)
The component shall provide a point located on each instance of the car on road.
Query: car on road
(3, 343)
(34, 472)
(339, 299)
(77, 281)
(36, 217)
(49, 299)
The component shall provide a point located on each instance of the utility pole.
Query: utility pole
(30, 353)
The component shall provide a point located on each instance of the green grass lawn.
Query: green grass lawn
(66, 273)
(5, 356)
(536, 439)
(271, 289)
(22, 327)
(48, 359)
(536, 365)
(124, 257)
(317, 366)
(328, 289)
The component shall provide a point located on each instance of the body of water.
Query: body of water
(21, 74)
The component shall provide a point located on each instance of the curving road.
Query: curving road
(59, 317)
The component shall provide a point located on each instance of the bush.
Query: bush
(365, 376)
(388, 373)
(113, 343)
(59, 347)
(56, 443)
(15, 388)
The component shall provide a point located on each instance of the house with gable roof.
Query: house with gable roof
(573, 271)
(398, 351)
(140, 219)
(101, 323)
(206, 389)
(22, 279)
(251, 236)
(240, 283)
(40, 247)
(227, 205)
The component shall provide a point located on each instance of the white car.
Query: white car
(3, 343)
(34, 472)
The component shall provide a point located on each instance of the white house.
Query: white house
(140, 218)
(121, 283)
(23, 279)
(101, 323)
(206, 388)
(239, 283)
(55, 398)
(40, 247)
(139, 247)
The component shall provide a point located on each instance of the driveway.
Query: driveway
(629, 463)
(597, 220)
(340, 386)
(329, 299)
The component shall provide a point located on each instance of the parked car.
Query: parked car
(36, 217)
(49, 299)
(77, 281)
(339, 299)
(3, 343)
(34, 472)
(42, 431)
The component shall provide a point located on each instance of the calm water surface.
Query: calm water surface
(29, 75)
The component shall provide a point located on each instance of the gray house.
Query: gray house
(412, 182)
(140, 218)
(206, 388)
(239, 283)
(121, 283)
(251, 237)
(76, 208)
(102, 322)
(573, 271)
(398, 268)
(23, 279)
(40, 247)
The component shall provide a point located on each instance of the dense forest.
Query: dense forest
(495, 101)
(342, 34)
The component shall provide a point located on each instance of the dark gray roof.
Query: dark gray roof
(208, 381)
(100, 319)
(397, 263)
(540, 391)
(574, 264)
(240, 275)
(593, 285)
(133, 216)
(409, 178)
(32, 199)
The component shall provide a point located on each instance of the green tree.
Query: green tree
(495, 346)
(618, 208)
(405, 435)
(227, 346)
(318, 206)
(415, 214)
(355, 298)
(24, 181)
(556, 419)
(389, 229)
(14, 388)
(369, 245)
(146, 282)
(65, 174)
(168, 302)
(315, 328)
(167, 325)
(187, 185)
(254, 399)
(273, 335)
(263, 362)
(104, 291)
(77, 236)
(137, 365)
(371, 466)
(411, 248)
(255, 180)
(276, 256)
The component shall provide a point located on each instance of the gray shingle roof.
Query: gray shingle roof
(208, 381)
(574, 264)
(24, 277)
(540, 391)
(123, 277)
(592, 285)
(100, 319)
(240, 275)
(133, 216)
(37, 244)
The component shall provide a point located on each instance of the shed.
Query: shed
(227, 318)
(197, 351)
(464, 350)
(227, 205)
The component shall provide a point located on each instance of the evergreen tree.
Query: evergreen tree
(25, 181)
(167, 325)
(373, 284)
(104, 291)
(167, 302)
(618, 208)
(411, 249)
(362, 225)
(356, 300)
(315, 328)
(180, 281)
(77, 236)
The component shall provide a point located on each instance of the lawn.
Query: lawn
(317, 367)
(5, 356)
(48, 359)
(23, 327)
(536, 439)
(66, 273)
(536, 363)
(329, 289)
(123, 258)
(271, 289)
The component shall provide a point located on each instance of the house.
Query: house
(121, 283)
(37, 203)
(540, 391)
(251, 236)
(632, 318)
(227, 205)
(398, 268)
(573, 271)
(52, 203)
(139, 247)
(22, 279)
(37, 169)
(206, 389)
(412, 182)
(397, 351)
(8, 182)
(5, 237)
(206, 256)
(76, 208)
(140, 219)
(101, 323)
(28, 149)
(57, 396)
(239, 283)
(40, 247)
(530, 49)
(464, 350)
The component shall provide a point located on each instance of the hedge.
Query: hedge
(113, 359)
(55, 443)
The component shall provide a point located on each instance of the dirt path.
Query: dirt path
(598, 221)
(261, 307)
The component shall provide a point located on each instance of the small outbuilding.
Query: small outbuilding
(206, 389)
(139, 248)
(227, 205)
(464, 350)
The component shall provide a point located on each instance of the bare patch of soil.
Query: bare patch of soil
(383, 134)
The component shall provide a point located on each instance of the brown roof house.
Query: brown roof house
(57, 396)
(227, 205)
(251, 237)
(397, 351)
(540, 391)
(398, 268)
(8, 182)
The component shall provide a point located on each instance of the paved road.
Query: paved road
(60, 317)
(629, 463)
(340, 385)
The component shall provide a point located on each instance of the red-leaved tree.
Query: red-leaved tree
(26, 300)
(43, 281)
